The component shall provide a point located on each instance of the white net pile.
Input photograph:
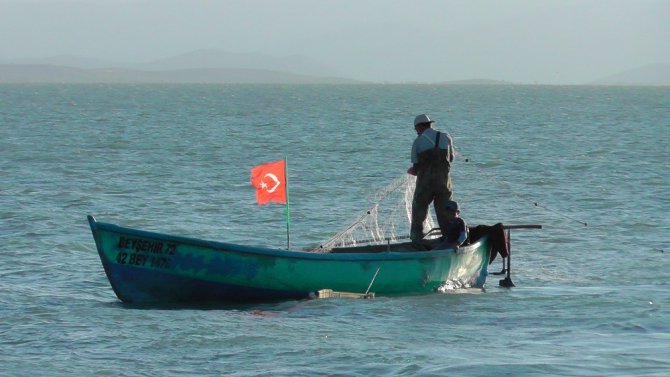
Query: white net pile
(387, 219)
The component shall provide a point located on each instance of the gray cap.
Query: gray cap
(452, 205)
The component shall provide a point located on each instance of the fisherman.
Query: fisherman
(432, 154)
(456, 229)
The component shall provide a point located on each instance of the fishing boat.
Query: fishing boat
(151, 267)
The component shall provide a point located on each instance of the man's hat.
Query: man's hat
(423, 118)
(452, 205)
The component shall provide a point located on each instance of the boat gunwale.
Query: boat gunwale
(271, 252)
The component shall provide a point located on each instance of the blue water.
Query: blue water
(591, 300)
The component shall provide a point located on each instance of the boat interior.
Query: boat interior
(425, 245)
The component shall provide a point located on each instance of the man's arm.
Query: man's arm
(414, 157)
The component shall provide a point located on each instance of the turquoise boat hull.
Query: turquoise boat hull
(150, 267)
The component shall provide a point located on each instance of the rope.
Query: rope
(536, 204)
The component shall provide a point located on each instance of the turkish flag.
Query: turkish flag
(270, 182)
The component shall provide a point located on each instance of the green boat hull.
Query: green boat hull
(149, 267)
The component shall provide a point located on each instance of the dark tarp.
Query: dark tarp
(497, 237)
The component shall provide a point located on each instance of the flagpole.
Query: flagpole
(288, 212)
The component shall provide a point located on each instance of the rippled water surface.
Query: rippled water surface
(589, 164)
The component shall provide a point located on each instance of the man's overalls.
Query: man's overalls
(433, 184)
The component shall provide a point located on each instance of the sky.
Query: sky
(522, 41)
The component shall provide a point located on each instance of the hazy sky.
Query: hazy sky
(551, 41)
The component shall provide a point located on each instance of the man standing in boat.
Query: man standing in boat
(432, 154)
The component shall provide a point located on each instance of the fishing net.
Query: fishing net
(387, 219)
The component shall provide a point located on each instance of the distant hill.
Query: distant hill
(41, 73)
(651, 75)
(476, 82)
(66, 61)
(199, 59)
(200, 66)
(216, 66)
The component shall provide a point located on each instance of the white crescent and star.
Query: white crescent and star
(273, 177)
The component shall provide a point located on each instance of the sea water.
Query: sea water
(590, 164)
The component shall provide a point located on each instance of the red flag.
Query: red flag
(270, 182)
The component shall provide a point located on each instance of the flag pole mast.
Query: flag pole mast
(288, 212)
